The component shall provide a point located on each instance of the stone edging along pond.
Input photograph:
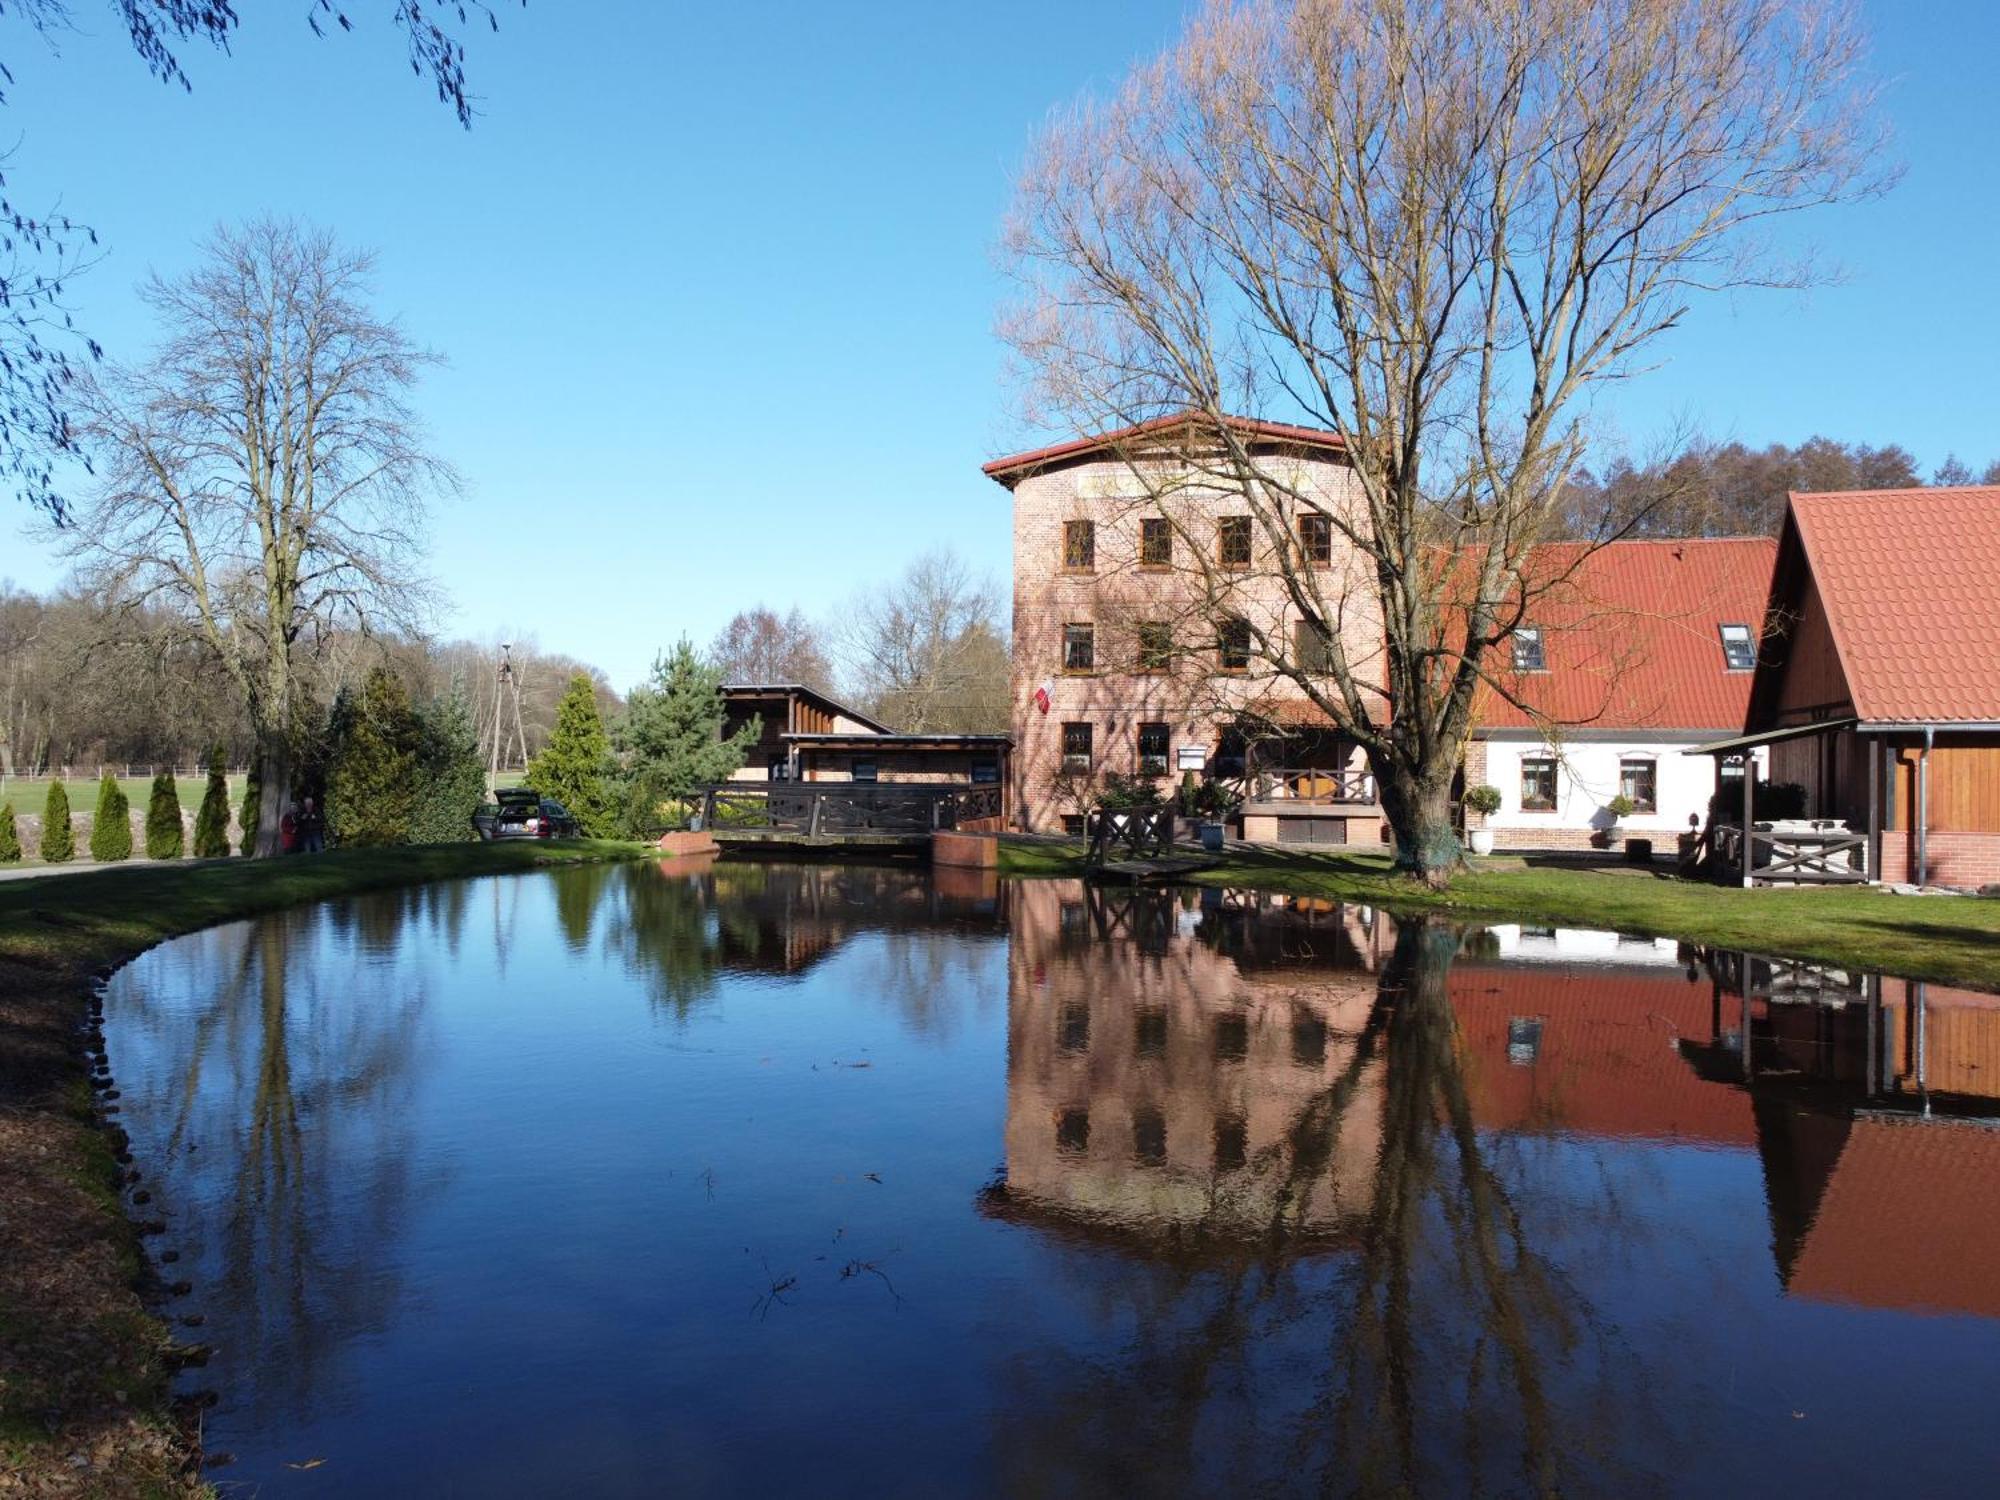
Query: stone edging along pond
(85, 1356)
(85, 1349)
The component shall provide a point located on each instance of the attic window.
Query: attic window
(1528, 655)
(1738, 650)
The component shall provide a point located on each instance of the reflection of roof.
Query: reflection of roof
(1912, 597)
(1606, 1060)
(1909, 1220)
(1018, 466)
(1632, 638)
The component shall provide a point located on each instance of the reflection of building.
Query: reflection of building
(1168, 1092)
(1881, 1194)
(1908, 1218)
(1591, 1050)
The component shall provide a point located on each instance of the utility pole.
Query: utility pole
(506, 695)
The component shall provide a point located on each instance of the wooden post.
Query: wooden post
(1749, 843)
(813, 817)
(1871, 853)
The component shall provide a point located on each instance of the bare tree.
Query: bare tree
(42, 352)
(926, 652)
(265, 480)
(1437, 228)
(760, 645)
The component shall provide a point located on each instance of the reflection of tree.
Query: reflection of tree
(277, 1124)
(1417, 1344)
(579, 891)
(661, 928)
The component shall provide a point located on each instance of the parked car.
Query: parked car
(521, 813)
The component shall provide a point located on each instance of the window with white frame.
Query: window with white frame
(1528, 654)
(1639, 779)
(1538, 784)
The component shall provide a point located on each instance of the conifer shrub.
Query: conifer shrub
(211, 822)
(371, 792)
(58, 838)
(111, 827)
(10, 836)
(164, 837)
(253, 791)
(451, 780)
(575, 767)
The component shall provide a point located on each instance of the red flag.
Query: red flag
(1042, 697)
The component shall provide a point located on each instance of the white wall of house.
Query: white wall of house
(1589, 774)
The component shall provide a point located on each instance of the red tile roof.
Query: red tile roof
(1018, 466)
(1908, 1221)
(1632, 637)
(1912, 592)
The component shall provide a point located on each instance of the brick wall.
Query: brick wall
(1194, 700)
(1962, 859)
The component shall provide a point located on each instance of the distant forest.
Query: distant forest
(1733, 490)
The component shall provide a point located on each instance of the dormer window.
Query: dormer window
(1739, 650)
(1528, 655)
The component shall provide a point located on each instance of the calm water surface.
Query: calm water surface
(775, 1180)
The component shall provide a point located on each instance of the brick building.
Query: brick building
(1645, 653)
(1114, 670)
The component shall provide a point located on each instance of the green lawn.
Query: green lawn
(102, 916)
(1945, 938)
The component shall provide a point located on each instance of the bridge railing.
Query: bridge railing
(831, 809)
(1129, 833)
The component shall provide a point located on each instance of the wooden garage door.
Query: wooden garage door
(1312, 830)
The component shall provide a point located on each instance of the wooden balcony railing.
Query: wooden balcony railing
(1310, 785)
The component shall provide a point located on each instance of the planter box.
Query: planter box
(674, 845)
(965, 851)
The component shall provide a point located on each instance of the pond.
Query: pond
(772, 1179)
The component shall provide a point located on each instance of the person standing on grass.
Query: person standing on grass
(312, 828)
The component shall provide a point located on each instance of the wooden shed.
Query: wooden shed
(1878, 685)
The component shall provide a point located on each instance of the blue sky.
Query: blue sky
(716, 284)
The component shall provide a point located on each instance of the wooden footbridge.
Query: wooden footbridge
(888, 817)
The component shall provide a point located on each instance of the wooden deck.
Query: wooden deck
(1160, 870)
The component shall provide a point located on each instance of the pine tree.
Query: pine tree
(58, 838)
(673, 738)
(575, 767)
(371, 793)
(111, 827)
(211, 824)
(451, 780)
(10, 836)
(253, 791)
(163, 819)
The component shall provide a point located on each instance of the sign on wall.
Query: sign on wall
(1190, 757)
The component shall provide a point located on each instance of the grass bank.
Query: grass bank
(84, 1363)
(1951, 939)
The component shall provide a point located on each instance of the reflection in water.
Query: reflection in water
(274, 1125)
(687, 1161)
(1270, 1104)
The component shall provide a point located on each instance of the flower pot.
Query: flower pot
(1614, 836)
(1211, 837)
(1481, 840)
